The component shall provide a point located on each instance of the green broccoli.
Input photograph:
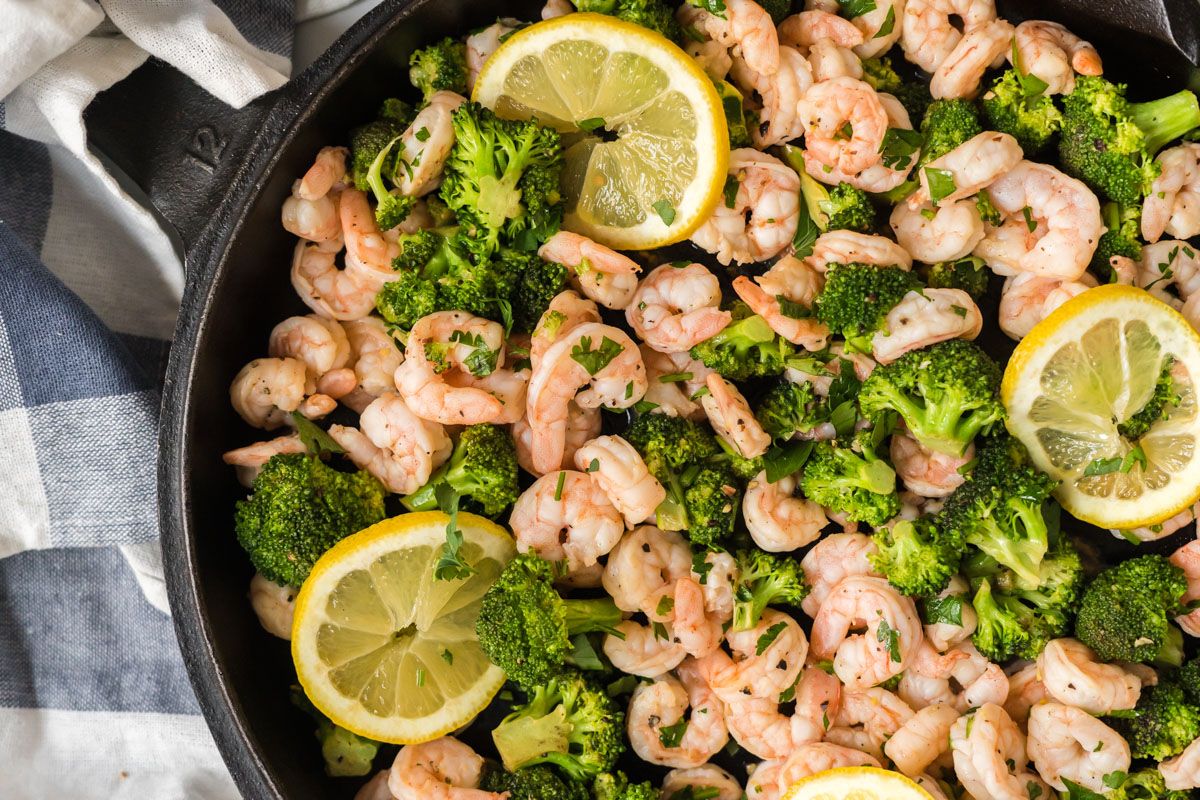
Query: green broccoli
(442, 65)
(1146, 784)
(947, 124)
(299, 508)
(1032, 119)
(913, 95)
(482, 470)
(1110, 143)
(946, 394)
(1189, 678)
(711, 501)
(1124, 224)
(525, 626)
(539, 282)
(746, 348)
(969, 274)
(615, 786)
(1000, 509)
(567, 722)
(391, 207)
(674, 449)
(857, 298)
(841, 207)
(918, 557)
(852, 480)
(735, 114)
(765, 579)
(742, 467)
(1126, 611)
(346, 754)
(653, 14)
(778, 9)
(367, 141)
(1161, 725)
(789, 408)
(501, 180)
(1164, 397)
(532, 783)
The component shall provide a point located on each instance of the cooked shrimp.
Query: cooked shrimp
(621, 473)
(732, 419)
(376, 788)
(764, 672)
(869, 658)
(557, 8)
(717, 574)
(323, 347)
(867, 719)
(663, 704)
(929, 34)
(810, 27)
(1064, 216)
(444, 769)
(748, 30)
(792, 280)
(974, 165)
(369, 253)
(1025, 690)
(394, 444)
(850, 247)
(769, 193)
(1173, 204)
(647, 651)
(878, 37)
(879, 177)
(328, 170)
(762, 782)
(989, 756)
(481, 45)
(601, 274)
(959, 75)
(644, 561)
(565, 515)
(1167, 263)
(1183, 771)
(1073, 676)
(677, 307)
(779, 94)
(835, 557)
(375, 355)
(1027, 299)
(668, 377)
(567, 310)
(702, 781)
(761, 729)
(601, 360)
(1065, 742)
(921, 739)
(844, 124)
(1054, 54)
(928, 472)
(935, 234)
(274, 605)
(924, 318)
(1187, 558)
(698, 632)
(267, 390)
(339, 294)
(426, 143)
(778, 521)
(583, 425)
(712, 56)
(311, 210)
(946, 633)
(809, 759)
(961, 677)
(250, 459)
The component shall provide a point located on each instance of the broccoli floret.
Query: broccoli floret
(1146, 784)
(653, 14)
(391, 207)
(1110, 143)
(742, 467)
(567, 722)
(1189, 678)
(442, 65)
(1162, 724)
(299, 508)
(778, 9)
(711, 502)
(674, 449)
(946, 394)
(789, 408)
(615, 786)
(765, 579)
(913, 95)
(346, 754)
(852, 480)
(746, 348)
(969, 274)
(482, 470)
(539, 282)
(525, 626)
(1000, 509)
(501, 180)
(1033, 120)
(918, 557)
(735, 114)
(368, 141)
(532, 783)
(1126, 611)
(947, 124)
(1124, 224)
(1164, 397)
(857, 298)
(840, 207)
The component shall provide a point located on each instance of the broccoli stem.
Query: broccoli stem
(591, 616)
(1166, 119)
(1171, 653)
(425, 498)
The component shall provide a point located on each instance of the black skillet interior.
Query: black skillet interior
(220, 177)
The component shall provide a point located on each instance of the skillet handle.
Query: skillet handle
(176, 142)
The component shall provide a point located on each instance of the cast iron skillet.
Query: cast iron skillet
(219, 176)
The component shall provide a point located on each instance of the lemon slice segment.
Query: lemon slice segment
(856, 783)
(385, 649)
(1079, 376)
(647, 149)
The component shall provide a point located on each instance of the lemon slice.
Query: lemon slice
(647, 149)
(856, 783)
(382, 647)
(1083, 371)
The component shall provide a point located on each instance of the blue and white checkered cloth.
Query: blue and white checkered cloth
(94, 701)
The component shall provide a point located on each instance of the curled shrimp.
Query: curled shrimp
(603, 362)
(832, 559)
(672, 381)
(267, 390)
(764, 672)
(1173, 204)
(601, 274)
(426, 143)
(311, 211)
(867, 718)
(340, 294)
(394, 444)
(870, 658)
(642, 650)
(924, 318)
(792, 280)
(928, 472)
(567, 310)
(827, 40)
(844, 124)
(323, 347)
(643, 562)
(761, 729)
(621, 473)
(1169, 263)
(583, 425)
(990, 758)
(1183, 771)
(1054, 54)
(851, 247)
(944, 634)
(717, 578)
(1062, 212)
(762, 782)
(974, 165)
(274, 605)
(748, 30)
(375, 356)
(566, 516)
(960, 677)
(249, 460)
(444, 769)
(677, 307)
(921, 739)
(935, 234)
(707, 778)
(809, 759)
(687, 613)
(1065, 742)
(732, 418)
(369, 253)
(664, 704)
(1187, 558)
(779, 94)
(959, 75)
(711, 56)
(1072, 676)
(482, 43)
(1025, 690)
(1027, 299)
(929, 34)
(778, 521)
(769, 192)
(880, 176)
(376, 788)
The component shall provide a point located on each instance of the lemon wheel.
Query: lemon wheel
(385, 649)
(856, 783)
(647, 148)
